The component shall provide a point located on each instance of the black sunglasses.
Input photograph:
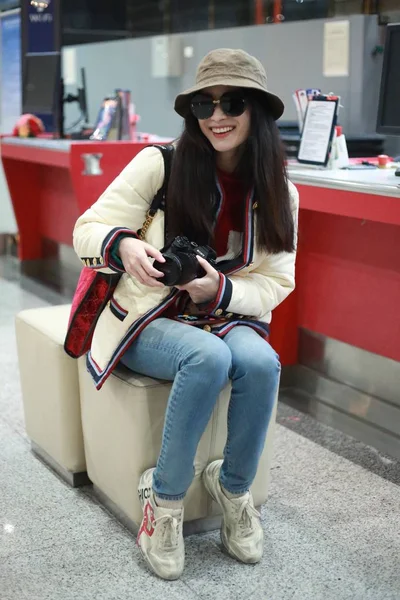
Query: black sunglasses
(233, 104)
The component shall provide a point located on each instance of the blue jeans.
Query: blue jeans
(200, 365)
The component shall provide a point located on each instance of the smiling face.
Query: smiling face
(226, 134)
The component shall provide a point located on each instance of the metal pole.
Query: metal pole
(277, 11)
(211, 14)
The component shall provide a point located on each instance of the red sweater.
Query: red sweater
(231, 212)
(230, 218)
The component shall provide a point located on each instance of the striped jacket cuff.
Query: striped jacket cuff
(218, 307)
(109, 249)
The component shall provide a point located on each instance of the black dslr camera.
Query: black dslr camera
(181, 264)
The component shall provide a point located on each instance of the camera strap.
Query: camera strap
(159, 200)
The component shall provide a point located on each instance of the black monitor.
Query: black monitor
(41, 83)
(82, 97)
(389, 99)
(43, 90)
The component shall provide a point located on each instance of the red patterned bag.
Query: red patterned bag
(92, 293)
(95, 289)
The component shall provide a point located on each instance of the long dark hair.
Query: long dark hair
(192, 188)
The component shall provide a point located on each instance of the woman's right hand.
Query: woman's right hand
(135, 258)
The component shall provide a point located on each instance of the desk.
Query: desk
(349, 236)
(369, 194)
(344, 317)
(52, 182)
(348, 267)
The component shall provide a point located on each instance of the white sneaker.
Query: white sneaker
(160, 536)
(241, 531)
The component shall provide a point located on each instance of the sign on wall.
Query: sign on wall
(336, 57)
(41, 33)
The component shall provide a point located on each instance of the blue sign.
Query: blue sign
(41, 27)
(10, 83)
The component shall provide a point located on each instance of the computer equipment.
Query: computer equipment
(388, 121)
(82, 95)
(81, 99)
(41, 83)
(43, 91)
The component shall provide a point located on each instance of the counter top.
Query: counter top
(62, 153)
(65, 145)
(380, 182)
(368, 194)
(42, 143)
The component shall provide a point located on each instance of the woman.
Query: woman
(228, 189)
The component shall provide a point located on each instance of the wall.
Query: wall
(291, 52)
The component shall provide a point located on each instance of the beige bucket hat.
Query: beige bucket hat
(231, 67)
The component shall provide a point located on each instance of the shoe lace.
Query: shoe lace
(245, 515)
(168, 531)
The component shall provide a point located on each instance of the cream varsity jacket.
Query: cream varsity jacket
(252, 283)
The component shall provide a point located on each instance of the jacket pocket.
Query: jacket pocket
(117, 309)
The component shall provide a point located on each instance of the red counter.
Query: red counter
(52, 182)
(348, 266)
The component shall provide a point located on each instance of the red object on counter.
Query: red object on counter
(383, 160)
(28, 126)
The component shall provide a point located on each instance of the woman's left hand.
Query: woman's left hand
(203, 289)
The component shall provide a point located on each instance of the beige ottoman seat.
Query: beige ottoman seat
(50, 391)
(122, 429)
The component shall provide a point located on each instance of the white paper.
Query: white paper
(317, 131)
(336, 48)
(343, 153)
(300, 116)
(303, 101)
(339, 157)
(69, 66)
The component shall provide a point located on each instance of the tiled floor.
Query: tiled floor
(332, 525)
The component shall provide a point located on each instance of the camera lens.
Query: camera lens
(189, 268)
(171, 268)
